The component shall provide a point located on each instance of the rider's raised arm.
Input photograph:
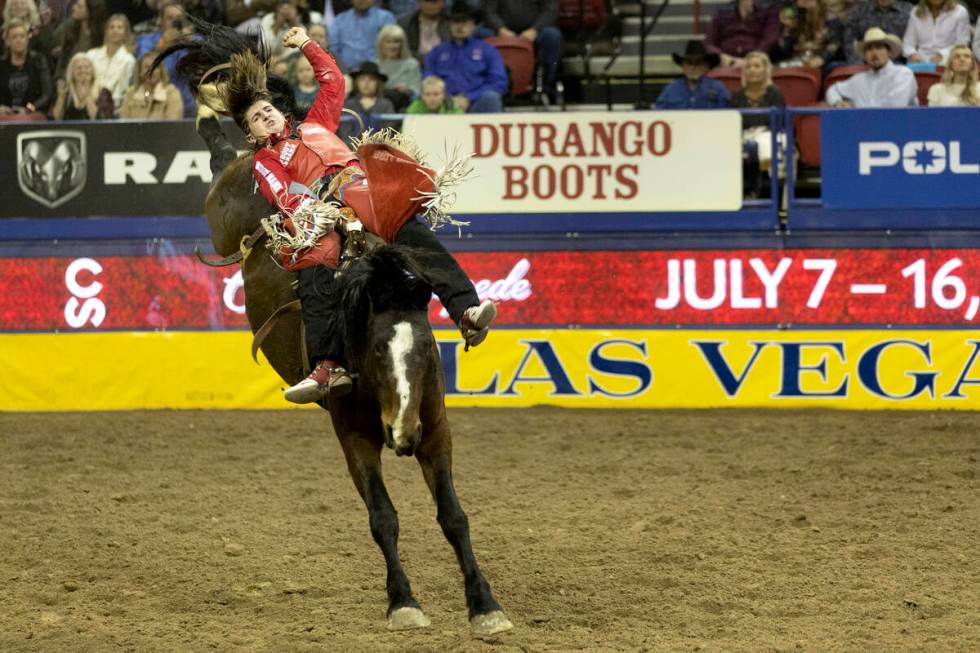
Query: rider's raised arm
(330, 99)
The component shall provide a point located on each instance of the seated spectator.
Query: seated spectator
(934, 27)
(276, 24)
(355, 32)
(535, 21)
(742, 27)
(472, 69)
(152, 96)
(426, 28)
(79, 33)
(757, 91)
(958, 87)
(25, 78)
(40, 29)
(113, 63)
(318, 32)
(397, 63)
(433, 99)
(367, 99)
(808, 37)
(171, 27)
(890, 15)
(79, 97)
(885, 85)
(694, 89)
(305, 85)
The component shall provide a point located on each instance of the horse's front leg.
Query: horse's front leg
(435, 457)
(364, 463)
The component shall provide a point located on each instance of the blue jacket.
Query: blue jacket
(470, 69)
(709, 94)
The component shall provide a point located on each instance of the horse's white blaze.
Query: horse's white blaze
(400, 346)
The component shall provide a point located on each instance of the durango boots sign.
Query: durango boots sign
(104, 169)
(591, 162)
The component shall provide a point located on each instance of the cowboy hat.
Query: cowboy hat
(368, 68)
(878, 35)
(695, 52)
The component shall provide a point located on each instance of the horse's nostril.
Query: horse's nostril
(389, 437)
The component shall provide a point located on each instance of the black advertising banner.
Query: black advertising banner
(112, 168)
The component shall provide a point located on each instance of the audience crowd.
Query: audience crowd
(88, 59)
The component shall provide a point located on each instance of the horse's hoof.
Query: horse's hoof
(491, 623)
(407, 619)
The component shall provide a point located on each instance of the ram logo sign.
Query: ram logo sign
(51, 165)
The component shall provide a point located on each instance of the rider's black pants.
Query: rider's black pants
(453, 287)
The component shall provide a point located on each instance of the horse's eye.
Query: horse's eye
(381, 349)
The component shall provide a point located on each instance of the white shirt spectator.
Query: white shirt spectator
(928, 36)
(114, 74)
(891, 86)
(950, 95)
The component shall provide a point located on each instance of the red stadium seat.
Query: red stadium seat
(924, 80)
(518, 56)
(731, 77)
(807, 128)
(840, 74)
(800, 86)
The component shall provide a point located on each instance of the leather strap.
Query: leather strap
(266, 328)
(244, 249)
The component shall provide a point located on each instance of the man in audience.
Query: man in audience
(426, 28)
(892, 16)
(472, 69)
(354, 32)
(25, 79)
(275, 26)
(172, 26)
(694, 90)
(885, 85)
(533, 20)
(742, 27)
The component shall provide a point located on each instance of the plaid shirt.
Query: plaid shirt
(893, 19)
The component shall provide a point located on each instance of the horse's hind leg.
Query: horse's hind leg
(221, 149)
(435, 456)
(364, 464)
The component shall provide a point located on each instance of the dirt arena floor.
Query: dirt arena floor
(599, 531)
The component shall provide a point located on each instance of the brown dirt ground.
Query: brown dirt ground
(599, 531)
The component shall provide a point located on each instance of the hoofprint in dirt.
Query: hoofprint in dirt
(600, 531)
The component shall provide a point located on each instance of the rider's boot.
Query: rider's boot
(327, 378)
(475, 322)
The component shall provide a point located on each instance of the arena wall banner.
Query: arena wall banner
(739, 287)
(900, 158)
(116, 168)
(594, 368)
(600, 162)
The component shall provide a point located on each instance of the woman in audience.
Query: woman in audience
(367, 99)
(757, 92)
(934, 27)
(81, 32)
(113, 62)
(808, 37)
(402, 69)
(152, 97)
(958, 87)
(79, 97)
(39, 28)
(305, 85)
(433, 98)
(25, 79)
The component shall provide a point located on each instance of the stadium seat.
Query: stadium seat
(800, 85)
(924, 80)
(731, 77)
(807, 128)
(840, 74)
(518, 56)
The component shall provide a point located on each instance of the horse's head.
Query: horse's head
(386, 297)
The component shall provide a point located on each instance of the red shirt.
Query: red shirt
(316, 151)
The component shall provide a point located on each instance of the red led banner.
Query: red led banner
(589, 288)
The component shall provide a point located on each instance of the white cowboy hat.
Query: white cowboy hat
(878, 35)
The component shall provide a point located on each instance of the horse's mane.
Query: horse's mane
(388, 278)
